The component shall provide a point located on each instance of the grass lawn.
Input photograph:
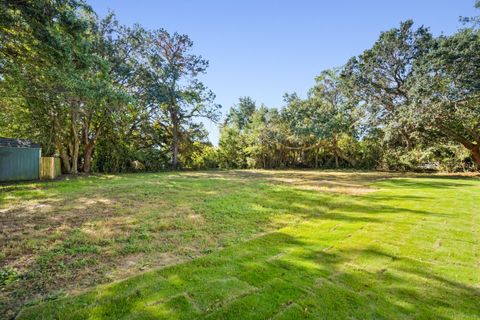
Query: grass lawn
(242, 245)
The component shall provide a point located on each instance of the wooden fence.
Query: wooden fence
(50, 168)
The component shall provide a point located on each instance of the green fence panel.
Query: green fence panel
(19, 163)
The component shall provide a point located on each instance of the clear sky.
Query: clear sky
(264, 48)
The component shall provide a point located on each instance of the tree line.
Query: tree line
(411, 101)
(108, 97)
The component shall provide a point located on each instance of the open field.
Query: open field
(242, 245)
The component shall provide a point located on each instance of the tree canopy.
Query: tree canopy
(408, 102)
(108, 97)
(71, 80)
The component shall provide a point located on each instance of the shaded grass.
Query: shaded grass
(408, 250)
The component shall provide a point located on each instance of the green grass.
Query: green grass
(248, 245)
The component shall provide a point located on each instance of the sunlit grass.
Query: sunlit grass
(259, 245)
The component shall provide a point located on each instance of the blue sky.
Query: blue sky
(265, 48)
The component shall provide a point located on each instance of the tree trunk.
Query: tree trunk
(60, 146)
(335, 150)
(64, 157)
(74, 145)
(89, 141)
(87, 157)
(74, 152)
(475, 151)
(175, 147)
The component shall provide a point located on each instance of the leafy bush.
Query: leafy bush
(206, 158)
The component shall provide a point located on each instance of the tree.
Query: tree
(335, 110)
(232, 148)
(257, 138)
(45, 57)
(113, 81)
(65, 73)
(240, 114)
(447, 91)
(381, 78)
(175, 94)
(326, 114)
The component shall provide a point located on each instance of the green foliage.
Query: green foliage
(112, 98)
(232, 149)
(240, 115)
(389, 108)
(447, 91)
(174, 94)
(67, 82)
(205, 157)
(381, 78)
(72, 81)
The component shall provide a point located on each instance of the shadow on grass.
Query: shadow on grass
(277, 276)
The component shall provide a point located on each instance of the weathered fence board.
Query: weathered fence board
(50, 168)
